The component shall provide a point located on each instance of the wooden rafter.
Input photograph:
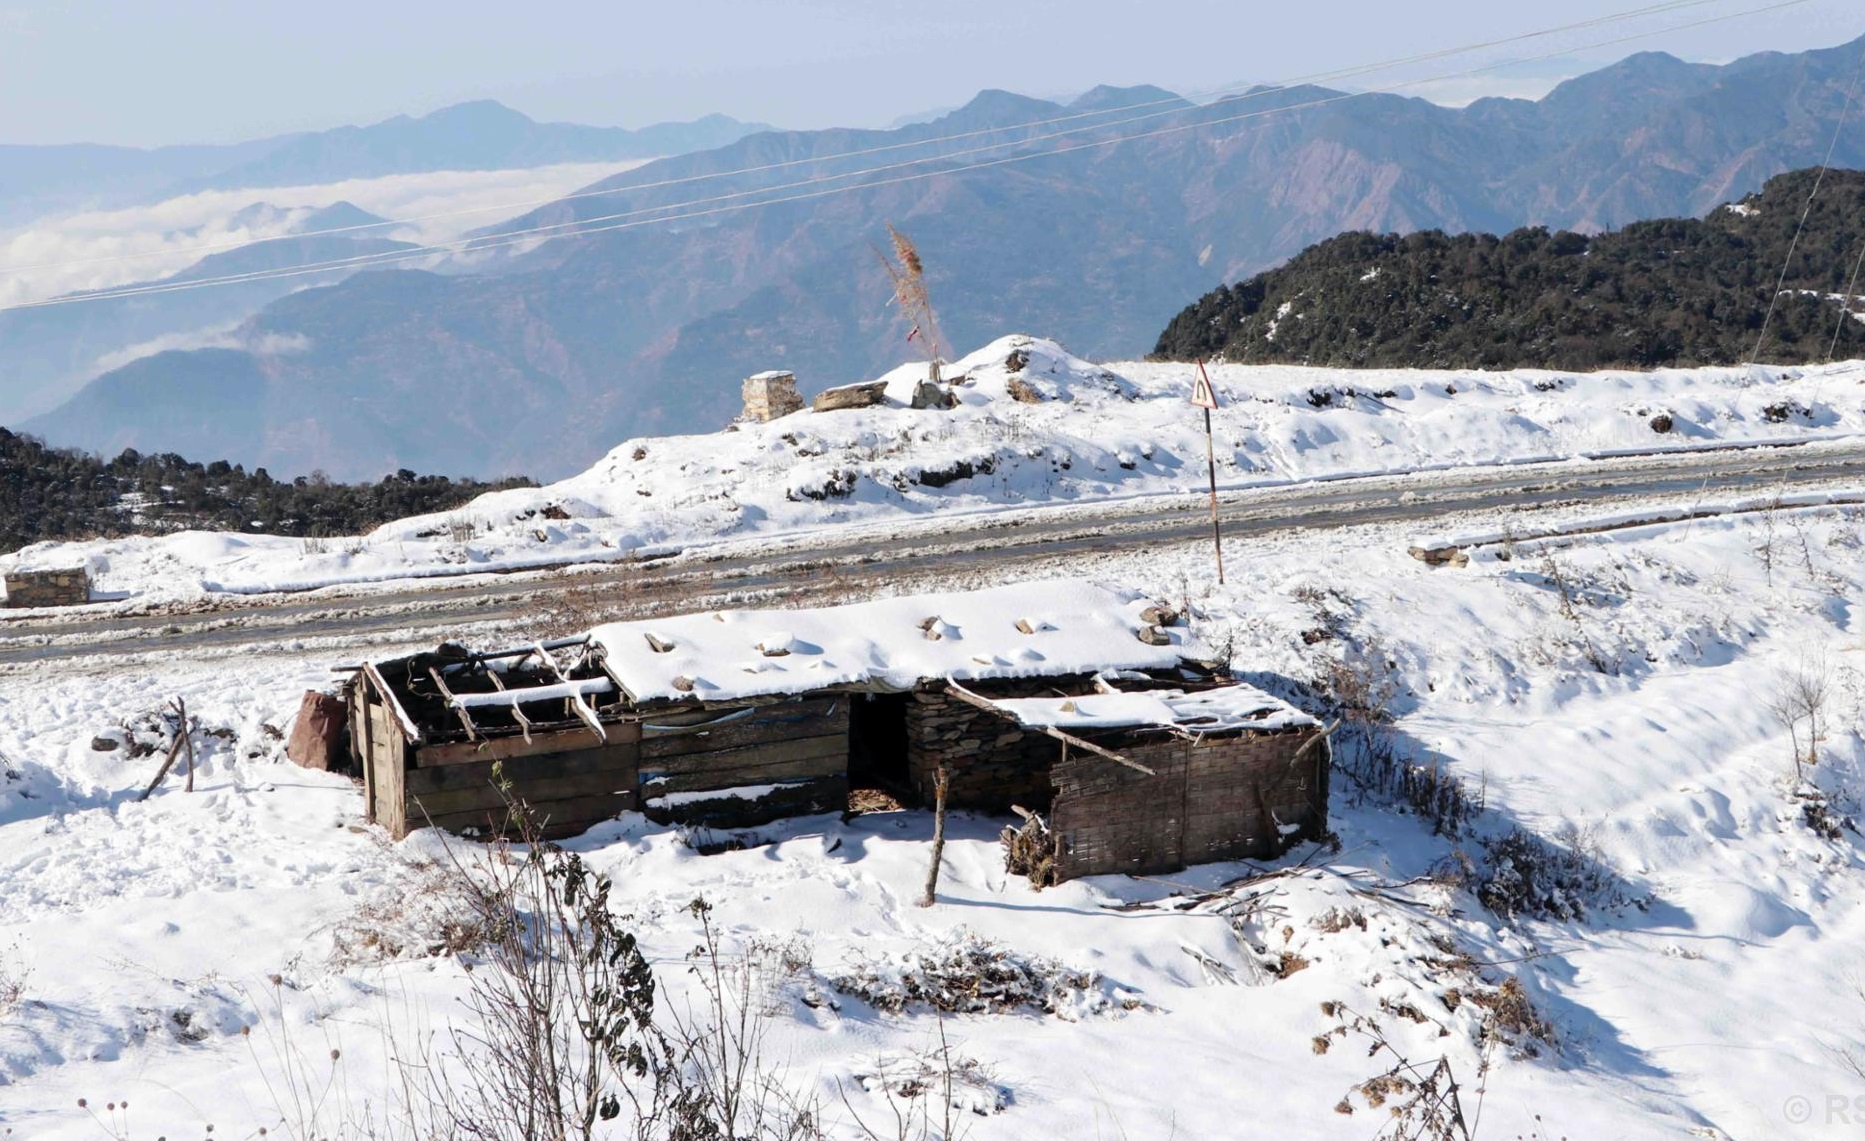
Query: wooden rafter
(970, 698)
(466, 719)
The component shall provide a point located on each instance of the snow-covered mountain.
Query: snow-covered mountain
(1644, 930)
(1032, 425)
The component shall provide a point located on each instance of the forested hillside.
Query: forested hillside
(1678, 291)
(61, 493)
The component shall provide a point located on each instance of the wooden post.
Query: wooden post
(187, 740)
(938, 853)
(1210, 458)
(1205, 397)
(168, 762)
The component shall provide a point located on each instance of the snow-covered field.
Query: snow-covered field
(1034, 426)
(1609, 695)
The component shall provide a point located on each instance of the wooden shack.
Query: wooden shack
(733, 718)
(1163, 777)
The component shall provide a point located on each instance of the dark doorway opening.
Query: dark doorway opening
(877, 742)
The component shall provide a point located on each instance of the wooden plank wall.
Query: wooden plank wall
(1111, 819)
(801, 747)
(1215, 799)
(569, 780)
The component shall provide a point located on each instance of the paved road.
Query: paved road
(979, 540)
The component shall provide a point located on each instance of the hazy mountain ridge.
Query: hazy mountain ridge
(482, 135)
(43, 350)
(543, 362)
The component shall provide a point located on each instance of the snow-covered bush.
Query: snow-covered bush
(430, 910)
(15, 972)
(966, 973)
(1525, 875)
(959, 1080)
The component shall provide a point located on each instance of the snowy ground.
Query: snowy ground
(1619, 683)
(1034, 426)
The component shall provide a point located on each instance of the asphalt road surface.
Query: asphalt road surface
(973, 541)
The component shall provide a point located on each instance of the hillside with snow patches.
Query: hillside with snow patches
(1032, 426)
(1639, 924)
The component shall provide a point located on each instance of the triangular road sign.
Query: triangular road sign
(1203, 395)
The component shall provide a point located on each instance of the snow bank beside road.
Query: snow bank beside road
(1032, 426)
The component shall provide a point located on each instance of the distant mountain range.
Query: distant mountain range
(484, 135)
(1662, 293)
(548, 354)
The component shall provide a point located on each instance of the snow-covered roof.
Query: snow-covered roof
(1223, 710)
(1034, 629)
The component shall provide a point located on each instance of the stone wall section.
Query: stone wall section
(47, 588)
(769, 395)
(990, 763)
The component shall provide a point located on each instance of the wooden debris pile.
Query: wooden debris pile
(1030, 849)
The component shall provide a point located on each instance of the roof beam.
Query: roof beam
(985, 703)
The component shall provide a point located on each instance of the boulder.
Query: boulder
(1023, 392)
(850, 396)
(317, 740)
(932, 394)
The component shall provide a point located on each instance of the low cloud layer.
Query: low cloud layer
(165, 237)
(219, 337)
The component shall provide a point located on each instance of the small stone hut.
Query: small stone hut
(1070, 697)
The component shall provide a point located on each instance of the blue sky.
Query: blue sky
(146, 73)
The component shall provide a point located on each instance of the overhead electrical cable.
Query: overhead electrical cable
(1806, 211)
(631, 219)
(1175, 101)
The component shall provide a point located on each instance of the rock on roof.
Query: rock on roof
(1036, 629)
(1226, 709)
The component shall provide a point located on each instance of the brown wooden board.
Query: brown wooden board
(580, 813)
(358, 692)
(828, 794)
(506, 748)
(748, 756)
(787, 721)
(520, 770)
(488, 795)
(655, 781)
(388, 768)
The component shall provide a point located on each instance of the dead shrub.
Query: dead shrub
(433, 910)
(1512, 1020)
(1525, 875)
(967, 973)
(1419, 1100)
(15, 973)
(1030, 850)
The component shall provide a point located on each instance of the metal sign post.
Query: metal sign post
(1205, 397)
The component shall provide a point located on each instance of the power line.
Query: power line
(630, 220)
(1845, 304)
(1807, 211)
(508, 207)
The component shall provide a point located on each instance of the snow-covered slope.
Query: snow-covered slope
(1704, 986)
(1033, 425)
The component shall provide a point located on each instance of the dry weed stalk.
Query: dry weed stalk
(907, 273)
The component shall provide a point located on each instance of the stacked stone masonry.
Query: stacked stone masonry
(769, 395)
(47, 588)
(990, 763)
